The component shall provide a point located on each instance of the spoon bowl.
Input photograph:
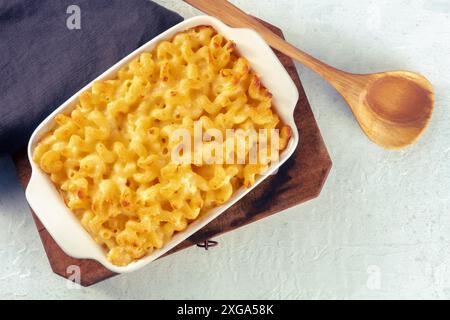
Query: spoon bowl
(393, 108)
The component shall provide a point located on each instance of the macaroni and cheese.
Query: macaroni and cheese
(110, 157)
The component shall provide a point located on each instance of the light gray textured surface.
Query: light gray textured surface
(381, 227)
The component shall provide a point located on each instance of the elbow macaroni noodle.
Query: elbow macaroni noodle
(111, 157)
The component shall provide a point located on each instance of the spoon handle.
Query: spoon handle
(235, 17)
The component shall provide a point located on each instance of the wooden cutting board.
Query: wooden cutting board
(300, 179)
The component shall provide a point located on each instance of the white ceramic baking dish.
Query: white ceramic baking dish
(62, 224)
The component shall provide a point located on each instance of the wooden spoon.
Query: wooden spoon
(393, 108)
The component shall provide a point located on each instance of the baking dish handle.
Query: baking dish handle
(57, 219)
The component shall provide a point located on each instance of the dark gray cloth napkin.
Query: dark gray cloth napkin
(43, 62)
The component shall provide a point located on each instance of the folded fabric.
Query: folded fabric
(50, 49)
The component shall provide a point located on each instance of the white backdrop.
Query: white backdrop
(381, 227)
